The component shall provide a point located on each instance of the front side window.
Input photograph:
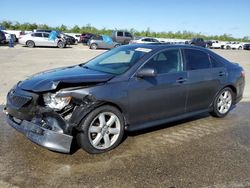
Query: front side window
(168, 61)
(196, 59)
(46, 35)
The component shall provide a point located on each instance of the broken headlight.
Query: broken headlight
(53, 101)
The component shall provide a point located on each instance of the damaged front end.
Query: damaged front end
(48, 119)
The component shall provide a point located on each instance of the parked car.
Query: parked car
(41, 39)
(2, 37)
(17, 33)
(128, 88)
(75, 35)
(246, 46)
(84, 37)
(234, 45)
(144, 40)
(69, 39)
(122, 37)
(215, 44)
(102, 41)
(10, 36)
(198, 42)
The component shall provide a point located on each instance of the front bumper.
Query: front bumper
(49, 139)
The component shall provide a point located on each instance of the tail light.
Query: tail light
(242, 74)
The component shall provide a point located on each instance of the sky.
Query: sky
(209, 17)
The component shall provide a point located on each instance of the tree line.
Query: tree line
(88, 28)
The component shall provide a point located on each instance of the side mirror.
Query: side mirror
(146, 72)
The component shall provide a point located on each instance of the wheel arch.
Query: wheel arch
(30, 41)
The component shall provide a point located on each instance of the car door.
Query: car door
(48, 42)
(38, 39)
(203, 80)
(161, 96)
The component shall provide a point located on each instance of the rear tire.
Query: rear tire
(222, 103)
(30, 44)
(101, 130)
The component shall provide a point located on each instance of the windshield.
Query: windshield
(118, 60)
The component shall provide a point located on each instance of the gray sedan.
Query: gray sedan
(128, 88)
(102, 41)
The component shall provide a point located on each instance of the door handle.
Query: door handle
(222, 73)
(181, 80)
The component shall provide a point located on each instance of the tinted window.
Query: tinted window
(97, 37)
(46, 35)
(165, 62)
(147, 39)
(120, 34)
(127, 34)
(37, 35)
(196, 59)
(215, 63)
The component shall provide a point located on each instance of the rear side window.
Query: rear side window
(37, 35)
(120, 34)
(196, 59)
(215, 63)
(127, 34)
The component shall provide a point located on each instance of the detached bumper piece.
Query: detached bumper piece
(49, 139)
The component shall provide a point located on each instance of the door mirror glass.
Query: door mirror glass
(146, 72)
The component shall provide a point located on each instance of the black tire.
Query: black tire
(86, 138)
(117, 45)
(219, 105)
(228, 47)
(240, 48)
(30, 44)
(126, 41)
(93, 46)
(60, 44)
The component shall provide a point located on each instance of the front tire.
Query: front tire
(60, 44)
(102, 130)
(223, 103)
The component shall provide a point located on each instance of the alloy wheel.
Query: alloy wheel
(104, 130)
(224, 102)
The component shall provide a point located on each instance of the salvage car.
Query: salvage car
(102, 41)
(129, 88)
(41, 39)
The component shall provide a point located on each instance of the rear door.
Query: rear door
(38, 39)
(203, 80)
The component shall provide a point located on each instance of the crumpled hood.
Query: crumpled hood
(76, 75)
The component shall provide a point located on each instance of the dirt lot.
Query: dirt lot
(197, 152)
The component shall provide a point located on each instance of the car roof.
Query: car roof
(159, 46)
